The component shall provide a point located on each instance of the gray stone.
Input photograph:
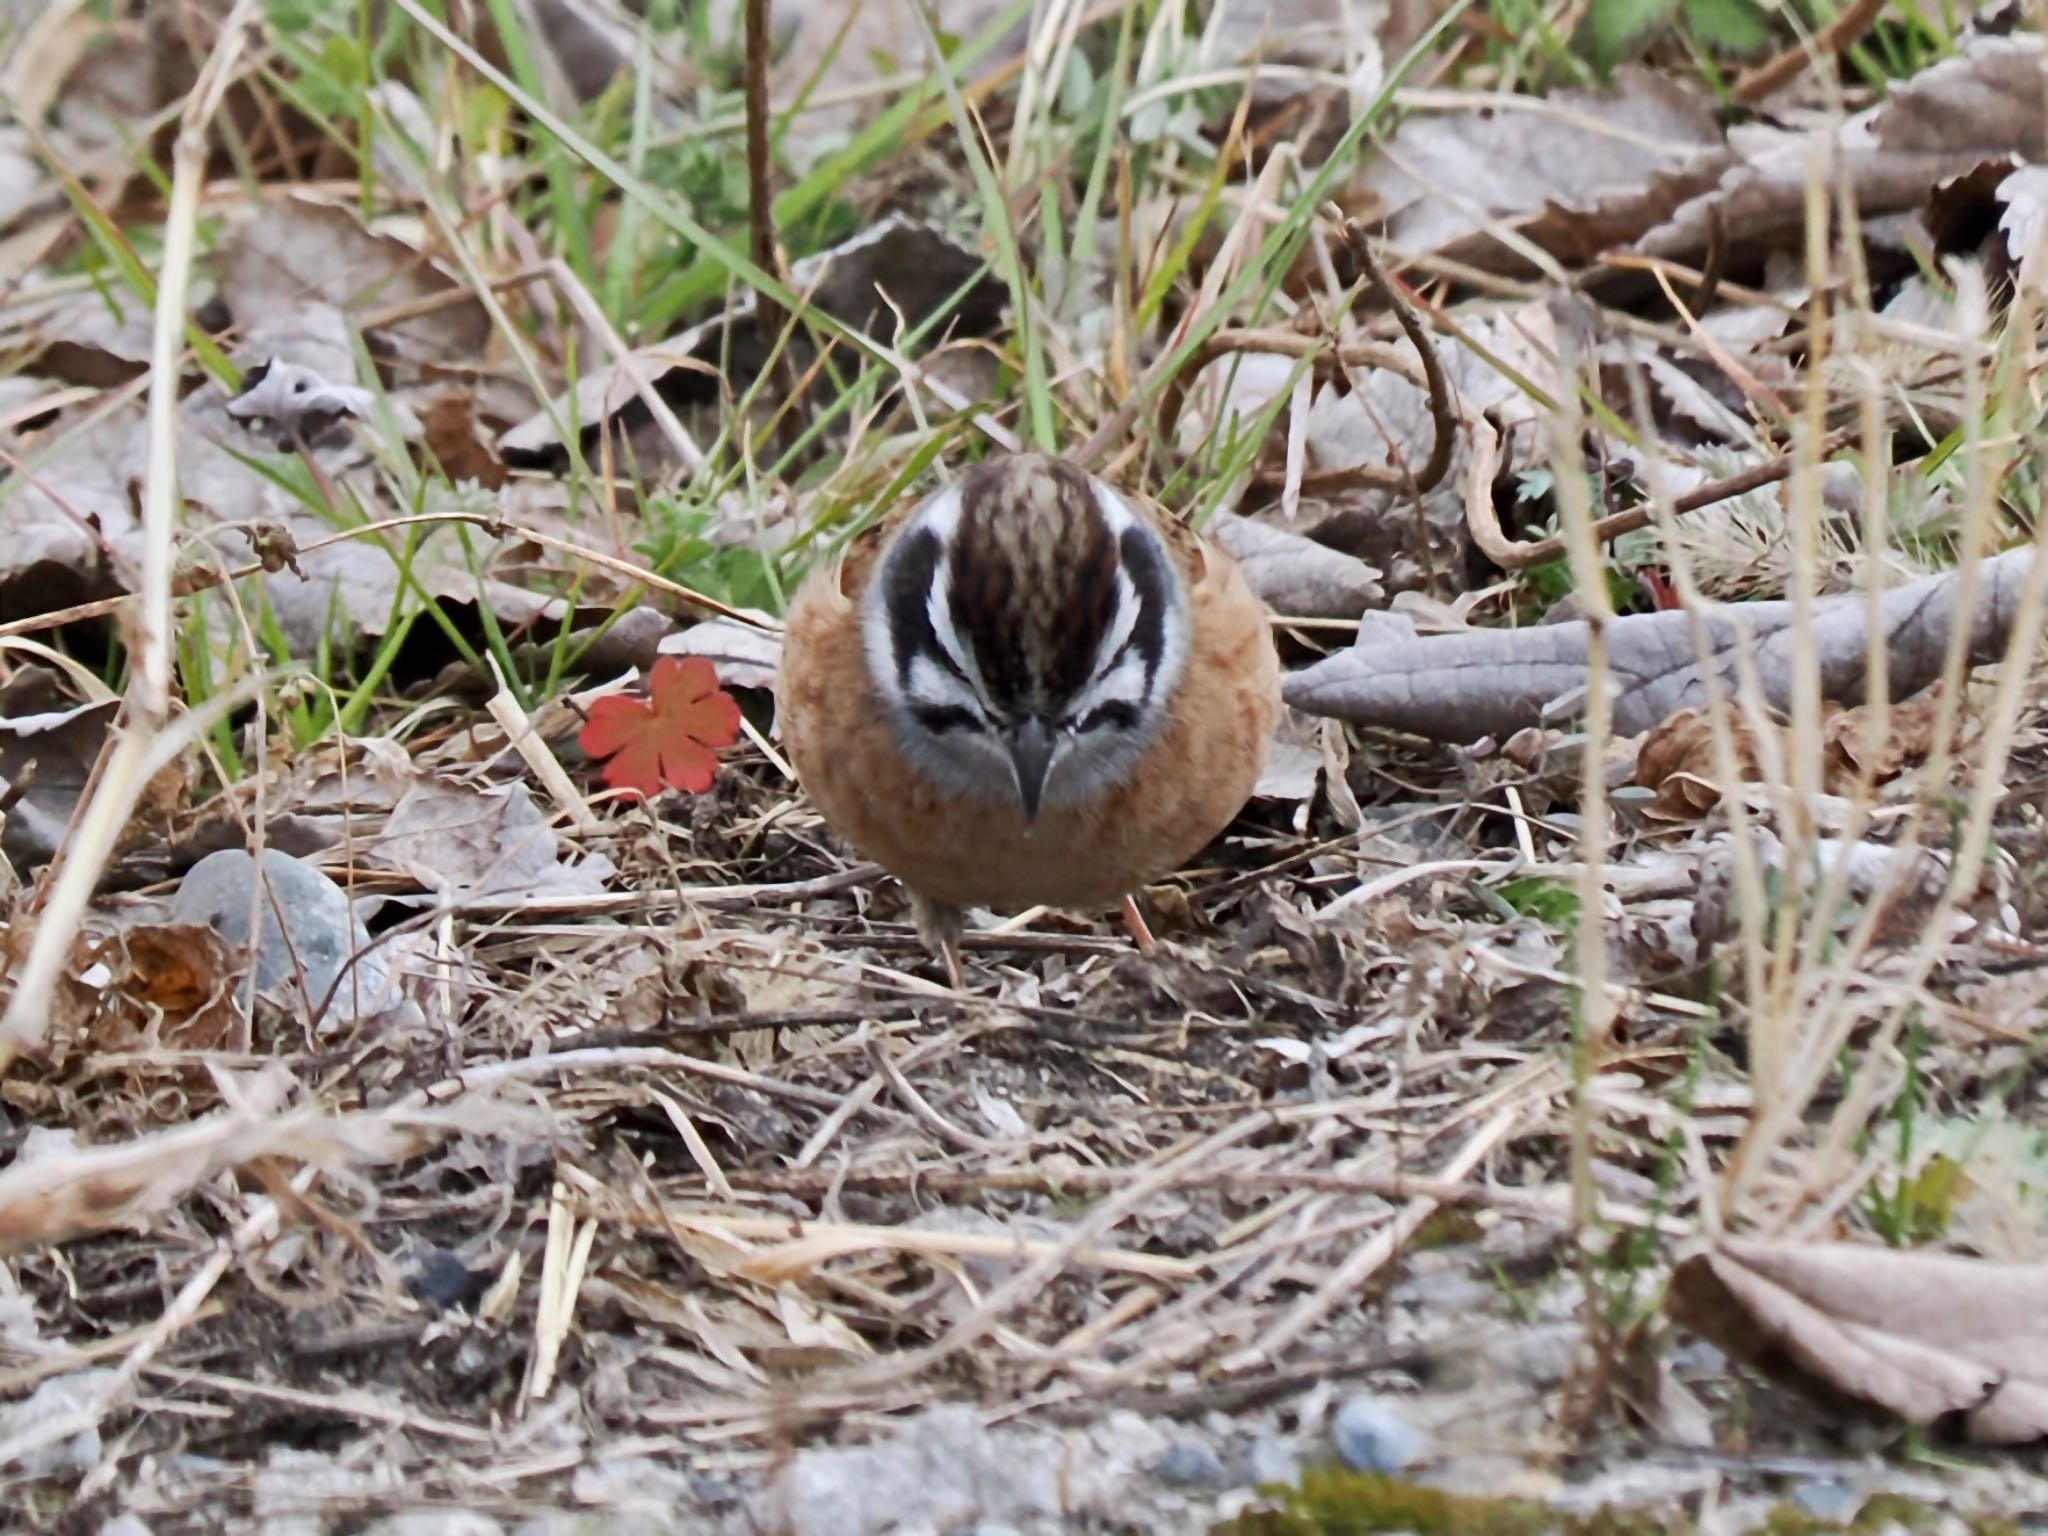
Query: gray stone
(1190, 1464)
(304, 915)
(1372, 1435)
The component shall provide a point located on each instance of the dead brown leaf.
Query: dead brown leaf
(171, 985)
(1571, 174)
(1296, 575)
(1676, 758)
(1915, 1335)
(470, 842)
(1983, 104)
(300, 253)
(457, 443)
(892, 276)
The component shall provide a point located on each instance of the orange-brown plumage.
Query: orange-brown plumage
(957, 847)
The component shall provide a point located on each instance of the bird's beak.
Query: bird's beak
(1031, 747)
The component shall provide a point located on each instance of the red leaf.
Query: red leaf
(668, 739)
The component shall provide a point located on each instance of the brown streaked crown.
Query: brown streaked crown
(1033, 572)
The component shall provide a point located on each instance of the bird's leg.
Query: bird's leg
(1134, 920)
(940, 926)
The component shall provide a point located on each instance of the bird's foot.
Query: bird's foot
(1141, 933)
(940, 926)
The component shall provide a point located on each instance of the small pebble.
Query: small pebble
(718, 1492)
(1824, 1498)
(1372, 1436)
(441, 1279)
(1190, 1464)
(298, 901)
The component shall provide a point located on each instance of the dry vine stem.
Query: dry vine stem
(148, 707)
(1281, 344)
(1443, 421)
(1427, 375)
(1518, 554)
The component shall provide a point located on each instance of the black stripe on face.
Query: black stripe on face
(908, 602)
(1152, 585)
(941, 718)
(1120, 714)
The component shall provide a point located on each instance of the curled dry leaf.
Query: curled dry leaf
(2023, 219)
(1676, 759)
(299, 404)
(48, 745)
(1380, 421)
(1460, 687)
(66, 1193)
(668, 740)
(1919, 1336)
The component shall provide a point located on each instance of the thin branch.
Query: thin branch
(1837, 35)
(1442, 417)
(760, 197)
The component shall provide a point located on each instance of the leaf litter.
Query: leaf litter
(410, 1125)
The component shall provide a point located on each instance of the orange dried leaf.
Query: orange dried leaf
(668, 740)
